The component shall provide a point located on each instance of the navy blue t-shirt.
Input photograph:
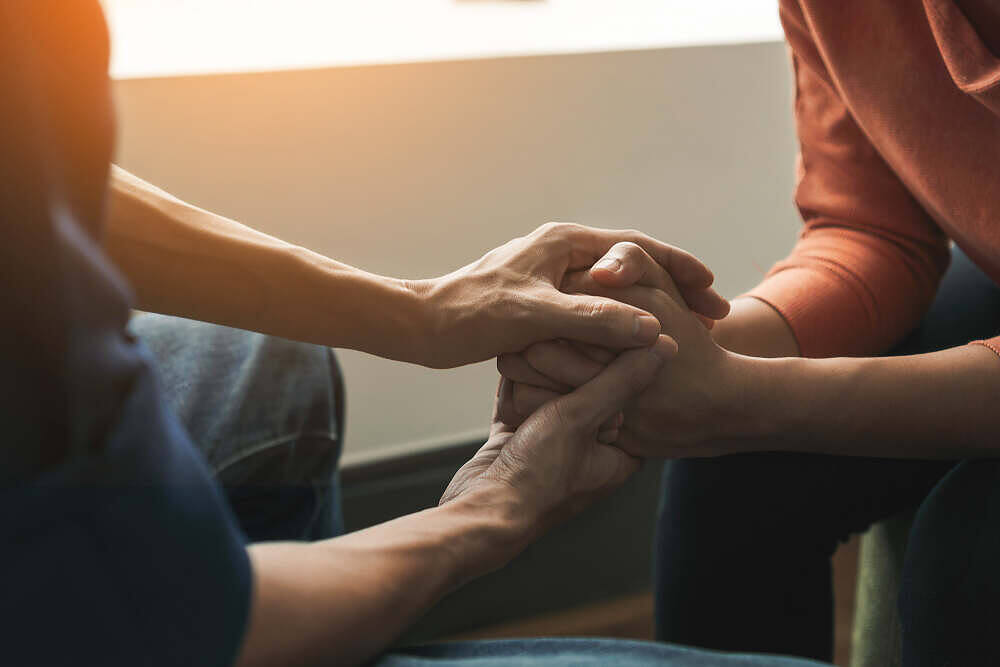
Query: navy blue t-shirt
(118, 548)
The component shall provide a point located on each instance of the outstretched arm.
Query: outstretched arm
(343, 600)
(709, 400)
(185, 261)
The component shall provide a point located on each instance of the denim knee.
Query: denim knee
(238, 392)
(290, 420)
(283, 483)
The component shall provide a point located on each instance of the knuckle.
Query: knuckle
(597, 310)
(606, 315)
(549, 229)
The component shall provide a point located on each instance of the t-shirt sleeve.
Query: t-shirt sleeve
(118, 547)
(868, 260)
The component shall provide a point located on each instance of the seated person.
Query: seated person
(897, 109)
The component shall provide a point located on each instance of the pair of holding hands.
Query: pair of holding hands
(673, 413)
(577, 410)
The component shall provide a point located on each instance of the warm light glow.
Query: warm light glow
(168, 37)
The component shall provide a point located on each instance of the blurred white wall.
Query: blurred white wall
(265, 35)
(415, 169)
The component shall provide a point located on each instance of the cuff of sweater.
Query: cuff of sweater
(826, 317)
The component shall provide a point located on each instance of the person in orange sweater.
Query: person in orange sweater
(843, 389)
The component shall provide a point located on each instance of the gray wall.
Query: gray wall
(413, 170)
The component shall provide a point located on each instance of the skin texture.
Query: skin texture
(184, 261)
(345, 599)
(710, 400)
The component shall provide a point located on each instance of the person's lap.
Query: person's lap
(744, 541)
(266, 413)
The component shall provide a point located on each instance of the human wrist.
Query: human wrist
(788, 396)
(492, 526)
(450, 317)
(755, 328)
(428, 302)
(758, 402)
(334, 304)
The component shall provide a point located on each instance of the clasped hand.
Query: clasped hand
(573, 418)
(511, 298)
(686, 410)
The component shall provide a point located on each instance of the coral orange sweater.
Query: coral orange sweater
(897, 108)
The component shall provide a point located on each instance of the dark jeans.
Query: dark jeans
(744, 541)
(268, 416)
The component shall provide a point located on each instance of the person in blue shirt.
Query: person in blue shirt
(167, 481)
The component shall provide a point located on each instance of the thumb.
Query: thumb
(599, 320)
(627, 264)
(605, 395)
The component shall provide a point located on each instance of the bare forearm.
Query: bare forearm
(343, 600)
(184, 261)
(937, 405)
(755, 329)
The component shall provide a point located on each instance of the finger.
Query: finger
(627, 264)
(600, 320)
(590, 243)
(516, 368)
(593, 403)
(707, 302)
(583, 282)
(527, 398)
(563, 363)
(649, 299)
(601, 355)
(504, 417)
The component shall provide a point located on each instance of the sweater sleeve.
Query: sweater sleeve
(868, 259)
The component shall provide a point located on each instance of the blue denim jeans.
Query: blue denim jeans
(268, 415)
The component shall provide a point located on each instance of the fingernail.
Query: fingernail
(609, 264)
(646, 329)
(664, 348)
